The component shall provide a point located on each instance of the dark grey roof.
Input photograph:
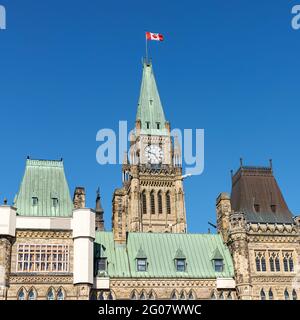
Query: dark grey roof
(256, 193)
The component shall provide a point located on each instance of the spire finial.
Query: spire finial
(271, 164)
(241, 162)
(5, 201)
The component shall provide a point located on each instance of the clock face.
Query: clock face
(154, 154)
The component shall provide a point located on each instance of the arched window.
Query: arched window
(263, 264)
(221, 297)
(286, 295)
(110, 296)
(173, 296)
(133, 296)
(262, 294)
(277, 264)
(168, 202)
(229, 296)
(285, 264)
(142, 296)
(50, 294)
(93, 296)
(271, 296)
(294, 294)
(101, 296)
(191, 295)
(159, 200)
(213, 296)
(151, 295)
(257, 263)
(291, 264)
(21, 294)
(60, 294)
(31, 295)
(144, 202)
(182, 296)
(272, 264)
(152, 202)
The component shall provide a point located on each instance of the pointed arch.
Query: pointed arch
(286, 294)
(144, 202)
(271, 295)
(101, 296)
(110, 295)
(61, 294)
(229, 296)
(159, 202)
(32, 294)
(221, 296)
(262, 294)
(152, 202)
(168, 202)
(50, 294)
(143, 295)
(191, 295)
(21, 295)
(174, 295)
(294, 295)
(182, 295)
(93, 295)
(133, 295)
(152, 295)
(213, 295)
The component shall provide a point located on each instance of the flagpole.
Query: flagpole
(146, 49)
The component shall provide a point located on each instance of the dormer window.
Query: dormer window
(54, 202)
(218, 265)
(257, 207)
(141, 265)
(148, 124)
(35, 201)
(158, 125)
(273, 208)
(180, 265)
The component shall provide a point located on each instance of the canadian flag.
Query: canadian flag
(154, 36)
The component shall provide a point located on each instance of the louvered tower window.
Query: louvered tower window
(152, 199)
(144, 202)
(168, 203)
(159, 199)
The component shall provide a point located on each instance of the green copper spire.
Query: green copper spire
(150, 111)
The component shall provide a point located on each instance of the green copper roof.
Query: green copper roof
(217, 255)
(150, 109)
(160, 250)
(45, 181)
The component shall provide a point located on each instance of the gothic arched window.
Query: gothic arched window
(152, 202)
(272, 265)
(229, 297)
(151, 295)
(286, 295)
(294, 294)
(262, 294)
(31, 295)
(213, 296)
(260, 261)
(133, 296)
(142, 296)
(285, 264)
(168, 202)
(182, 296)
(174, 295)
(144, 202)
(271, 296)
(101, 296)
(277, 264)
(263, 264)
(191, 295)
(257, 263)
(21, 294)
(291, 264)
(110, 296)
(60, 294)
(50, 294)
(159, 200)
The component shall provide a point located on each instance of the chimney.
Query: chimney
(79, 198)
(99, 213)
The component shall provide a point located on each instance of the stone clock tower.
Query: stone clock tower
(152, 196)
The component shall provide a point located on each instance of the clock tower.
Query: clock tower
(152, 196)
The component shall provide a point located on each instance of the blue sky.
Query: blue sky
(70, 68)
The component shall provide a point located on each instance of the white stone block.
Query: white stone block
(225, 283)
(7, 221)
